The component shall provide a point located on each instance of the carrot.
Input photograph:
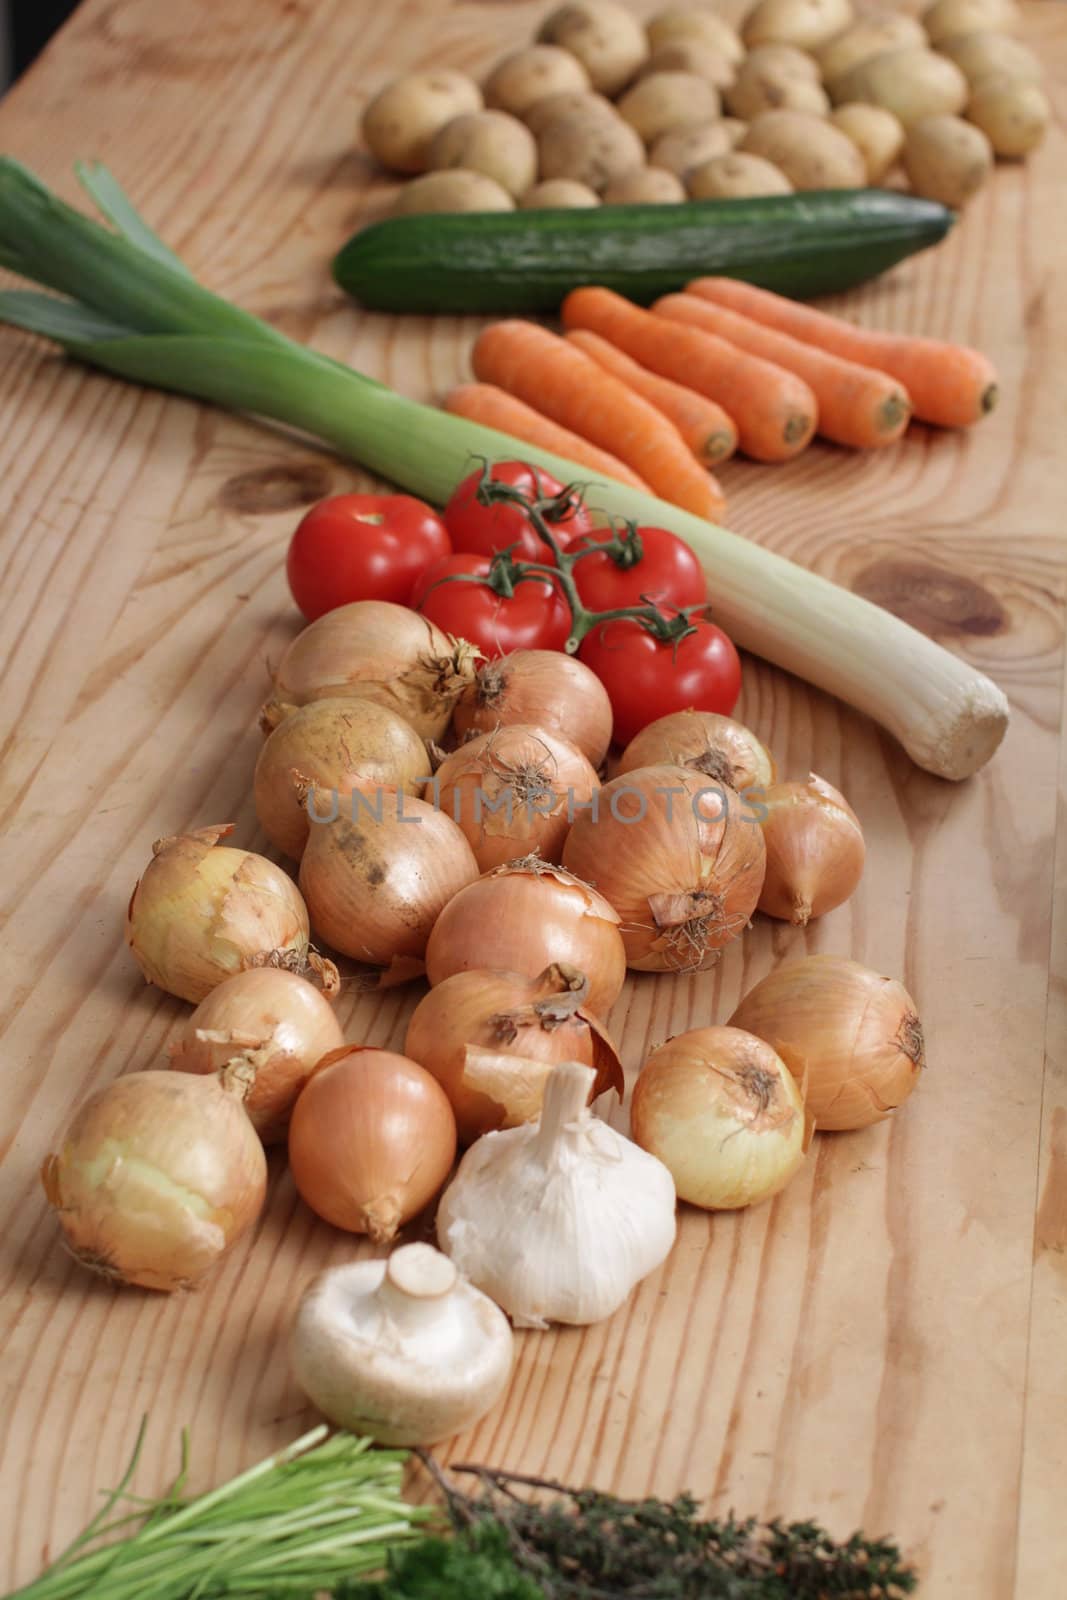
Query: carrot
(949, 384)
(706, 428)
(545, 371)
(858, 406)
(493, 408)
(774, 410)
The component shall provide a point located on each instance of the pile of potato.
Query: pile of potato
(604, 109)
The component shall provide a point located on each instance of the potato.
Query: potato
(805, 23)
(980, 55)
(645, 186)
(606, 37)
(867, 37)
(910, 83)
(538, 116)
(490, 142)
(689, 55)
(769, 84)
(1012, 115)
(877, 134)
(452, 191)
(811, 153)
(947, 159)
(734, 176)
(695, 24)
(526, 76)
(592, 150)
(950, 18)
(400, 122)
(558, 194)
(667, 100)
(787, 58)
(684, 148)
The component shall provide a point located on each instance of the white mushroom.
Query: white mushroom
(404, 1351)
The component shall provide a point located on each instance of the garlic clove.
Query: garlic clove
(403, 1351)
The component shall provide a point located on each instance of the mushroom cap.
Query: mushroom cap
(404, 1351)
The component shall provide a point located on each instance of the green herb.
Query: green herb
(477, 1564)
(316, 1512)
(584, 1545)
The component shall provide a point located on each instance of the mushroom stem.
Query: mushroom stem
(418, 1279)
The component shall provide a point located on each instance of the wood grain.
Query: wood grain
(880, 1345)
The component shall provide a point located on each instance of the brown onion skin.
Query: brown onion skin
(374, 650)
(720, 1075)
(815, 850)
(196, 1138)
(721, 748)
(851, 1037)
(467, 1009)
(202, 911)
(294, 1026)
(371, 1141)
(532, 766)
(334, 744)
(683, 884)
(522, 919)
(375, 889)
(557, 692)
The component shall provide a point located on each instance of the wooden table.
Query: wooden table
(884, 1344)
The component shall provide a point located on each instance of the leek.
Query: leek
(124, 303)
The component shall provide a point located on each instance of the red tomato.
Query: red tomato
(667, 573)
(362, 547)
(486, 529)
(535, 617)
(646, 679)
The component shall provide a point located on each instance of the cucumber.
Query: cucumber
(527, 261)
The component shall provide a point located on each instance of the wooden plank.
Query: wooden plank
(849, 1351)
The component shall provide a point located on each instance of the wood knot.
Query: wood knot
(280, 488)
(933, 599)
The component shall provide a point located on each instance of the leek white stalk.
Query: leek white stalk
(139, 315)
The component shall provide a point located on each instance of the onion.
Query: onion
(723, 1114)
(815, 850)
(491, 1040)
(202, 911)
(852, 1038)
(717, 746)
(679, 857)
(157, 1176)
(513, 792)
(522, 918)
(374, 650)
(331, 744)
(275, 1025)
(545, 687)
(377, 876)
(371, 1141)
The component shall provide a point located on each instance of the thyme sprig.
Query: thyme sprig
(581, 1544)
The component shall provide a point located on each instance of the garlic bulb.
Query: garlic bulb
(558, 1220)
(402, 1351)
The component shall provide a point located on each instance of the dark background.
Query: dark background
(31, 23)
